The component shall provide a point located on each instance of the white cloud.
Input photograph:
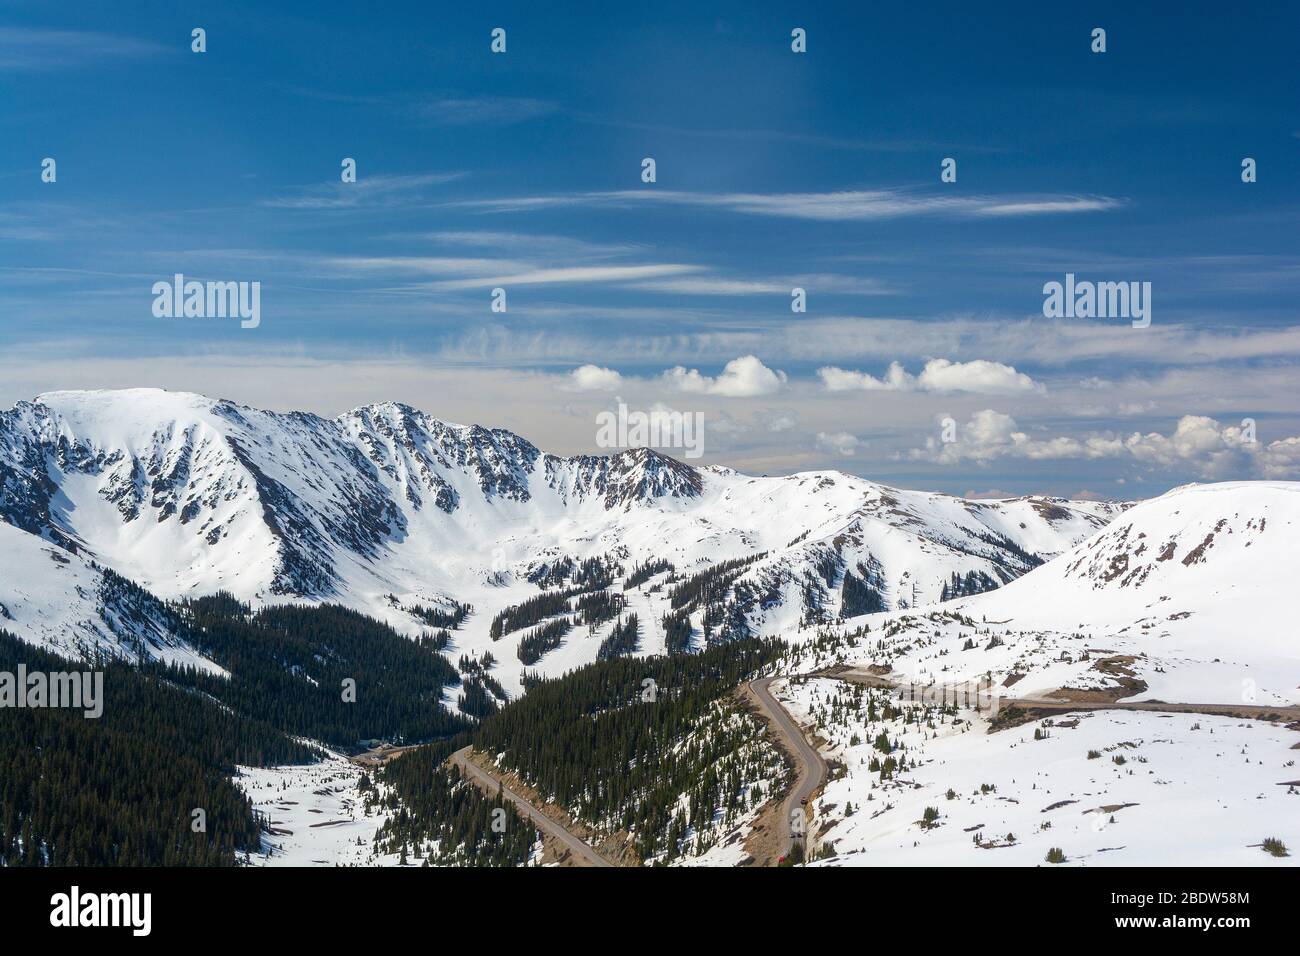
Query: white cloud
(989, 494)
(990, 434)
(782, 422)
(838, 443)
(939, 375)
(980, 375)
(593, 378)
(845, 380)
(1281, 459)
(1199, 443)
(1216, 451)
(744, 377)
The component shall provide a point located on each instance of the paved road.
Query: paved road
(812, 768)
(489, 782)
(1250, 711)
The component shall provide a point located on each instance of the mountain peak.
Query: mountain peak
(135, 403)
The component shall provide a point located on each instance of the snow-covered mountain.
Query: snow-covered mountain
(61, 600)
(387, 510)
(1184, 598)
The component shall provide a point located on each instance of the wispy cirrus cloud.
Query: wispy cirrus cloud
(367, 190)
(528, 243)
(448, 108)
(726, 285)
(570, 275)
(25, 228)
(896, 144)
(486, 110)
(419, 265)
(842, 206)
(537, 259)
(842, 338)
(28, 50)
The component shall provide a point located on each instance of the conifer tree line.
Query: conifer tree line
(677, 631)
(589, 574)
(1002, 547)
(287, 666)
(532, 611)
(600, 606)
(589, 742)
(438, 618)
(480, 694)
(722, 618)
(644, 572)
(727, 619)
(624, 639)
(716, 592)
(534, 645)
(120, 790)
(973, 582)
(859, 596)
(709, 586)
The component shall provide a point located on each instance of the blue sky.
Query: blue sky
(774, 170)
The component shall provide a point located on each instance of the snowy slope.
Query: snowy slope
(385, 508)
(64, 603)
(1109, 788)
(1191, 594)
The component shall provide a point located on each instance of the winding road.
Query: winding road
(489, 783)
(811, 775)
(812, 768)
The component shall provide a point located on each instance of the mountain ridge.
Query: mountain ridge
(1183, 598)
(384, 508)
